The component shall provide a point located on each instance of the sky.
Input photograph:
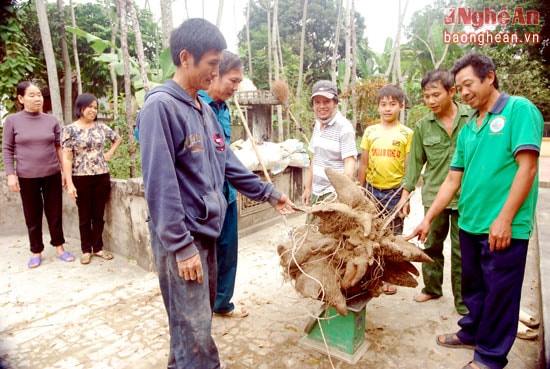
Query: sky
(380, 16)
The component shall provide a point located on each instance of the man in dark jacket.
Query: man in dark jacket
(185, 160)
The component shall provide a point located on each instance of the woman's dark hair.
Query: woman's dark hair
(197, 36)
(82, 102)
(21, 90)
(22, 87)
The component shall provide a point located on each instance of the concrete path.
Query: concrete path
(109, 315)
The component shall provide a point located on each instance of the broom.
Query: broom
(249, 134)
(281, 92)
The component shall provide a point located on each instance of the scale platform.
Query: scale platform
(342, 337)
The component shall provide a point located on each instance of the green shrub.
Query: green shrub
(119, 165)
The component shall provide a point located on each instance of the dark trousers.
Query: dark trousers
(43, 195)
(92, 193)
(227, 250)
(491, 289)
(388, 200)
(432, 273)
(189, 306)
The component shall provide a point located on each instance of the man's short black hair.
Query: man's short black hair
(443, 76)
(481, 65)
(197, 36)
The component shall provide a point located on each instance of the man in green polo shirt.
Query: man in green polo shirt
(496, 162)
(433, 145)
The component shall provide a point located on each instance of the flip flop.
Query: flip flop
(86, 258)
(526, 333)
(479, 364)
(34, 262)
(66, 256)
(449, 340)
(104, 255)
(528, 319)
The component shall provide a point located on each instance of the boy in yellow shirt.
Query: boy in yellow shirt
(384, 152)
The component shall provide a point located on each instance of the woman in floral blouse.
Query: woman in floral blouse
(87, 173)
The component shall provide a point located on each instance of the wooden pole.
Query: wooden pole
(251, 138)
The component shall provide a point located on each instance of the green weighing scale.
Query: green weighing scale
(344, 335)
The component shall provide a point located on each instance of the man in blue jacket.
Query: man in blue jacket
(185, 160)
(227, 246)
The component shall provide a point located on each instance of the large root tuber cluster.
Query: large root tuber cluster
(350, 250)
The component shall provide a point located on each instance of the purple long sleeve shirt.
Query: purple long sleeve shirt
(29, 144)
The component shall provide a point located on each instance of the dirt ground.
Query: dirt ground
(401, 332)
(109, 315)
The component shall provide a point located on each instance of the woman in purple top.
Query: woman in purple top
(32, 159)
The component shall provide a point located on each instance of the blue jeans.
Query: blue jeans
(388, 199)
(189, 306)
(227, 250)
(491, 289)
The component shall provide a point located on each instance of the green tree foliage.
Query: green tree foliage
(119, 164)
(426, 34)
(519, 9)
(94, 18)
(523, 68)
(369, 63)
(17, 62)
(518, 74)
(319, 39)
(367, 106)
(426, 48)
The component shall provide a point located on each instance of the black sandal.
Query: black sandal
(450, 340)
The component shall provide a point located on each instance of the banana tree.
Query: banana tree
(155, 75)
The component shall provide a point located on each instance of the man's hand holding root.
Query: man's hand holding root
(284, 206)
(191, 269)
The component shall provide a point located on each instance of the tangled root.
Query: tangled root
(350, 251)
